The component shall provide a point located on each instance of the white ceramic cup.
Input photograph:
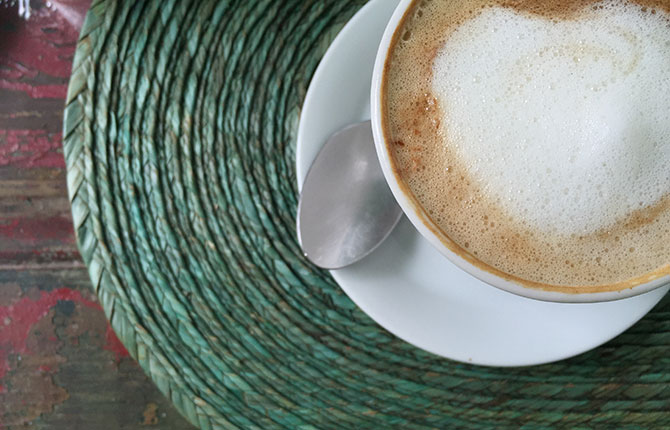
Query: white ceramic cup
(422, 223)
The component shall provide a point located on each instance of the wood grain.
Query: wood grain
(61, 365)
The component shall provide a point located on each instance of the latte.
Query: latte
(535, 135)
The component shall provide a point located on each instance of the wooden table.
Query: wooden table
(61, 365)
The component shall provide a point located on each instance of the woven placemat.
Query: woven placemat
(180, 134)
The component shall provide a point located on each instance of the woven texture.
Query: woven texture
(180, 131)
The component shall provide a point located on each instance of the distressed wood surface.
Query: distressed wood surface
(61, 365)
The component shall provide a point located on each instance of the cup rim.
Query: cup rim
(427, 229)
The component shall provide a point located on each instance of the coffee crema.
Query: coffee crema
(535, 135)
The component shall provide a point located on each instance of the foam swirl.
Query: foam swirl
(565, 125)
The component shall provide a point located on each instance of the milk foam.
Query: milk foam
(565, 125)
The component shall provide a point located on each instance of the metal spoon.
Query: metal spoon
(346, 209)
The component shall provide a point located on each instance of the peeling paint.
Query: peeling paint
(31, 148)
(39, 50)
(36, 230)
(22, 316)
(149, 415)
(26, 312)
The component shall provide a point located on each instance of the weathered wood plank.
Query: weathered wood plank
(35, 220)
(61, 366)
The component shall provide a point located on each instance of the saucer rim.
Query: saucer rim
(302, 167)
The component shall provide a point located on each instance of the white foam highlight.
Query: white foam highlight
(566, 125)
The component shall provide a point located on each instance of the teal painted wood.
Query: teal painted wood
(180, 133)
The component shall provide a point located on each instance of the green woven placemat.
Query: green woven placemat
(180, 134)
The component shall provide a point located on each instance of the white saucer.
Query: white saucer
(406, 285)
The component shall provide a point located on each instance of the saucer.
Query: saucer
(406, 285)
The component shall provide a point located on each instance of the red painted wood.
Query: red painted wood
(18, 318)
(31, 148)
(37, 54)
(61, 364)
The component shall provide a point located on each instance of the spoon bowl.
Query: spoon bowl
(346, 208)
